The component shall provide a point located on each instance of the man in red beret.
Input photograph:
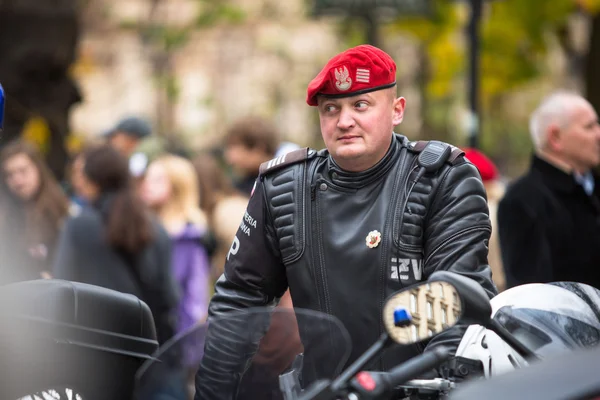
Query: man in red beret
(345, 227)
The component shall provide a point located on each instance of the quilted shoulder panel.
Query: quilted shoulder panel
(285, 193)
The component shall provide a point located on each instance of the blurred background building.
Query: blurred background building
(194, 66)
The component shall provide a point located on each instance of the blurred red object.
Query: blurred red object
(487, 169)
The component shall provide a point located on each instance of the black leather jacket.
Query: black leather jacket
(306, 227)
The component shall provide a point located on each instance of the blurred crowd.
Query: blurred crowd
(161, 227)
(158, 228)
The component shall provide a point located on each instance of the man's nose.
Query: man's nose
(346, 120)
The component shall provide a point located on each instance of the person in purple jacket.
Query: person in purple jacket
(191, 269)
(170, 188)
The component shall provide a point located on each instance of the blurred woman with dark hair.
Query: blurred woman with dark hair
(32, 209)
(115, 243)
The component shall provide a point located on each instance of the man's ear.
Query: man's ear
(398, 110)
(554, 137)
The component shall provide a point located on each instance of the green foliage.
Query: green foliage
(214, 12)
(164, 40)
(352, 30)
(515, 39)
(438, 33)
(210, 13)
(170, 85)
(167, 38)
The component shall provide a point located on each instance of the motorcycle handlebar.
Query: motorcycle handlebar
(372, 385)
(438, 384)
(417, 366)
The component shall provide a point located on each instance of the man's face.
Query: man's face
(245, 161)
(123, 143)
(22, 176)
(580, 140)
(357, 130)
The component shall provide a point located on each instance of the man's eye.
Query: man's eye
(361, 105)
(330, 108)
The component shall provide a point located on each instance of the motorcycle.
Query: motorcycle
(66, 340)
(312, 368)
(71, 341)
(567, 377)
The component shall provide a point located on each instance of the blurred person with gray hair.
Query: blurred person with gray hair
(549, 219)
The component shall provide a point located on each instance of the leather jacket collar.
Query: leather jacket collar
(553, 176)
(355, 180)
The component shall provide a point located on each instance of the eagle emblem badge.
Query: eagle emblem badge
(343, 81)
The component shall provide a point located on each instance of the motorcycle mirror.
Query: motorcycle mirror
(421, 311)
(477, 309)
(415, 314)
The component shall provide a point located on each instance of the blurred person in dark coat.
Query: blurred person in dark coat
(549, 219)
(32, 209)
(114, 242)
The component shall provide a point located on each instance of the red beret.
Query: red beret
(486, 167)
(358, 70)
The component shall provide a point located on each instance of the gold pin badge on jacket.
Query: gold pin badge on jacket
(373, 239)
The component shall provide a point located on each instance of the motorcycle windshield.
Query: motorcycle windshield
(245, 352)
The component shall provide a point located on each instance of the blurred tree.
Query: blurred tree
(592, 66)
(441, 59)
(38, 41)
(162, 40)
(517, 37)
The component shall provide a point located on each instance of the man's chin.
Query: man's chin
(350, 151)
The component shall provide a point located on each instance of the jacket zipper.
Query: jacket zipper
(317, 256)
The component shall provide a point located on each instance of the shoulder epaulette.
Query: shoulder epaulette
(286, 159)
(418, 147)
